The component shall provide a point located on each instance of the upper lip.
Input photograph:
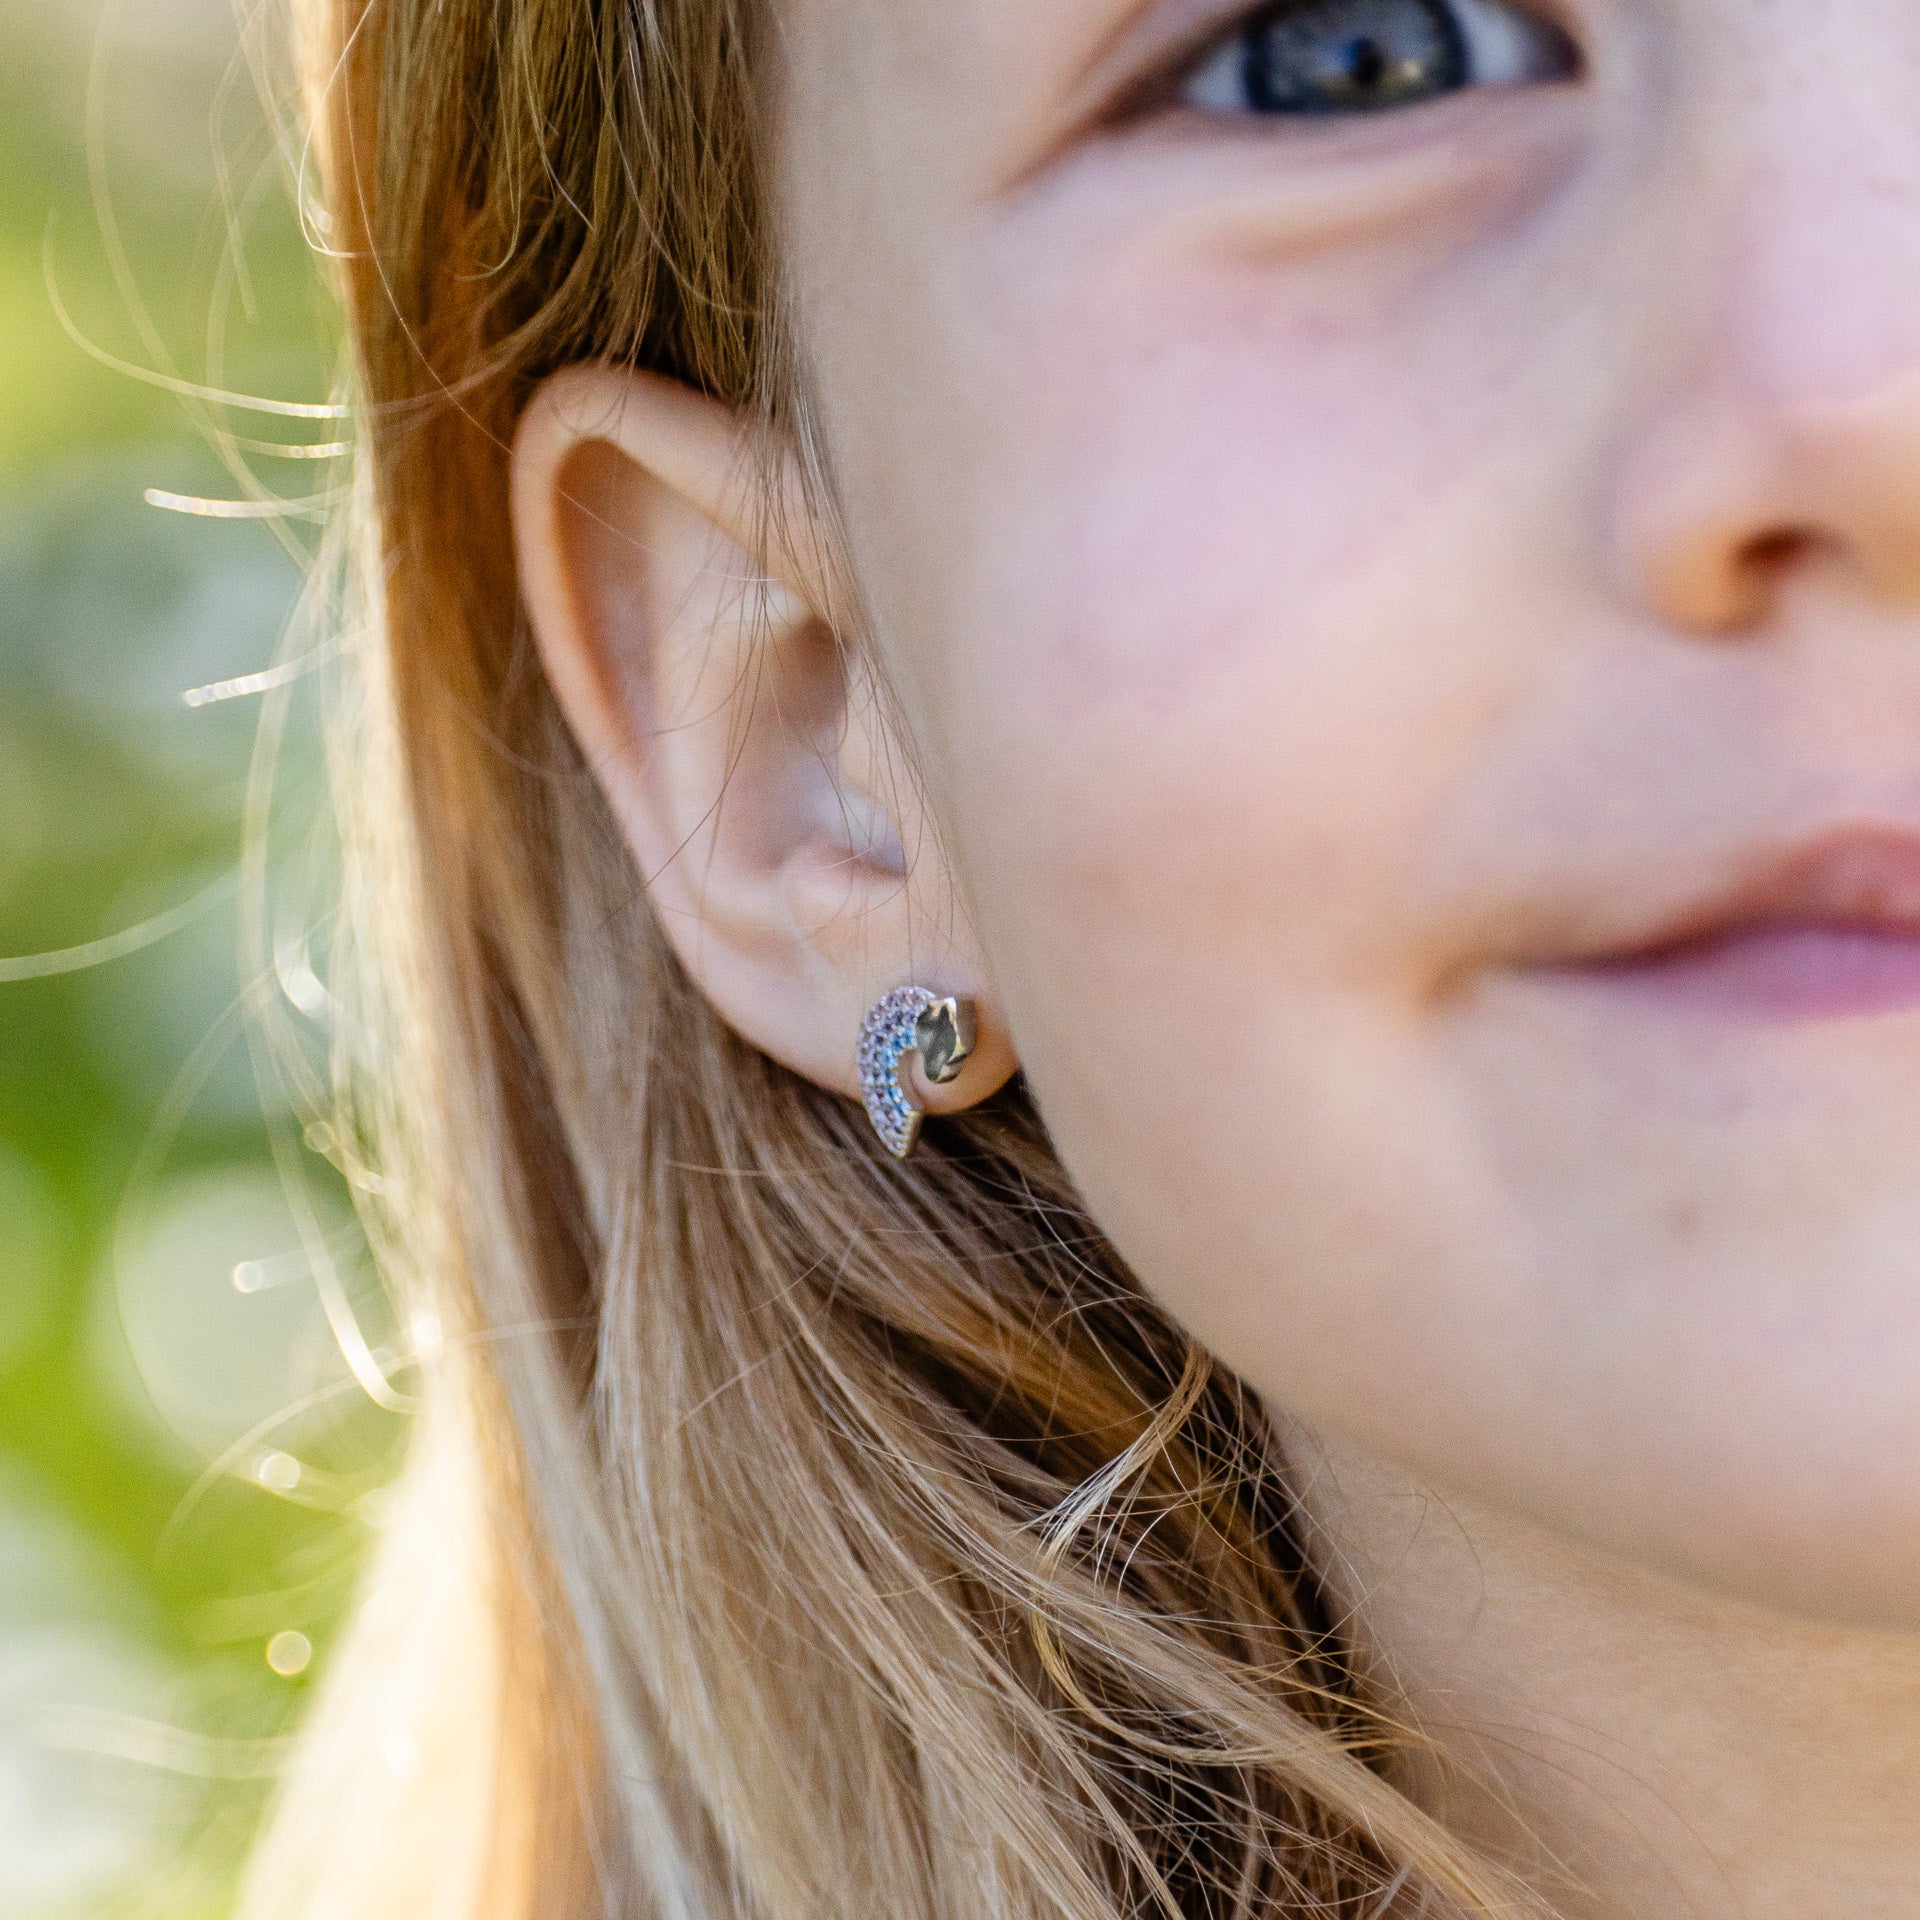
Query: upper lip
(1862, 875)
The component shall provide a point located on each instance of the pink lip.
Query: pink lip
(1828, 930)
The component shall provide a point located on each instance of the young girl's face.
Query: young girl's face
(1386, 518)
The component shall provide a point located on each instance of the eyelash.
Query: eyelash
(1475, 43)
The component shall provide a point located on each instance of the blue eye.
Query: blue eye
(1320, 57)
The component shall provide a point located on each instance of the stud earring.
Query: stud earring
(942, 1031)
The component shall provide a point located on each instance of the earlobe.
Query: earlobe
(676, 598)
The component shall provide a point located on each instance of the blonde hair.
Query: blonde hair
(786, 1532)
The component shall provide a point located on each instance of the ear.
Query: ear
(677, 598)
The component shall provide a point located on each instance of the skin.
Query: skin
(1326, 578)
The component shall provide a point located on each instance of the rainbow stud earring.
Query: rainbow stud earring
(941, 1031)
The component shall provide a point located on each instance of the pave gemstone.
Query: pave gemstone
(888, 1036)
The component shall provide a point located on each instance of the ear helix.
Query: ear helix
(941, 1030)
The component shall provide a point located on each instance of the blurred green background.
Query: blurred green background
(175, 1541)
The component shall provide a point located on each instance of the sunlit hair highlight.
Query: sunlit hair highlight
(787, 1533)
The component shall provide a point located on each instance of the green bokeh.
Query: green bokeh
(139, 1590)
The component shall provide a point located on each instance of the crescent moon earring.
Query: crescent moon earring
(940, 1030)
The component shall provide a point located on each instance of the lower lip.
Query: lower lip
(1780, 973)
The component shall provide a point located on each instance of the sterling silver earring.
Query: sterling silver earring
(942, 1031)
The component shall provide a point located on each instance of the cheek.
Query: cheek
(1236, 631)
(1251, 588)
(1237, 635)
(1198, 502)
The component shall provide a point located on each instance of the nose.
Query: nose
(1735, 501)
(1785, 442)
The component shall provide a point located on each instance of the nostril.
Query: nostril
(1785, 550)
(1728, 584)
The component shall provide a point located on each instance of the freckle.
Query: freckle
(1683, 1218)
